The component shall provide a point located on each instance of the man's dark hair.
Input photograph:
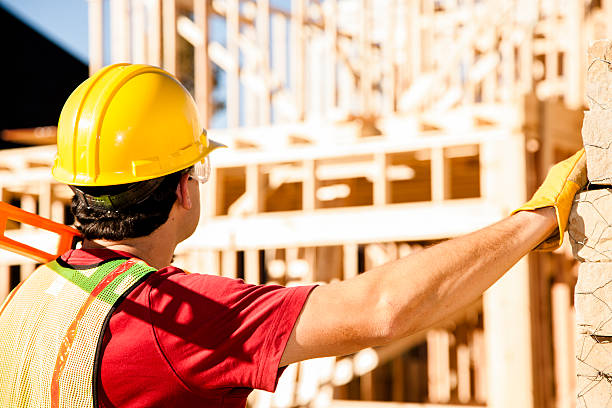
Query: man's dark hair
(128, 221)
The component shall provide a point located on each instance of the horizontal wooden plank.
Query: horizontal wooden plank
(396, 222)
(379, 404)
(237, 158)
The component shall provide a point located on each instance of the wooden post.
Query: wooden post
(563, 345)
(202, 72)
(169, 35)
(45, 193)
(232, 104)
(440, 175)
(365, 75)
(139, 39)
(120, 30)
(263, 40)
(57, 211)
(506, 304)
(279, 44)
(381, 185)
(331, 35)
(154, 32)
(438, 366)
(255, 187)
(350, 260)
(388, 50)
(229, 264)
(96, 35)
(298, 11)
(414, 40)
(309, 186)
(478, 349)
(464, 377)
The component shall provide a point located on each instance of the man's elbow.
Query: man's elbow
(393, 322)
(386, 324)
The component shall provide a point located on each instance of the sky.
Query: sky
(62, 21)
(65, 23)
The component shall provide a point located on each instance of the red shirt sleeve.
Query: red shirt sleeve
(217, 332)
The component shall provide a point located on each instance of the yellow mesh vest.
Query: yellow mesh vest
(51, 327)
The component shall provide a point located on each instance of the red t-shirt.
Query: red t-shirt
(192, 340)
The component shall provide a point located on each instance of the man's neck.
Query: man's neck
(155, 252)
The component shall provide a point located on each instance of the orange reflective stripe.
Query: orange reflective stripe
(66, 345)
(10, 296)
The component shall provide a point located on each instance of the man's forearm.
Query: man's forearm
(427, 286)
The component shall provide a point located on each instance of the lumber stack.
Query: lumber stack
(591, 239)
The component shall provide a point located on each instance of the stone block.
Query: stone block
(589, 226)
(597, 138)
(593, 299)
(593, 369)
(599, 76)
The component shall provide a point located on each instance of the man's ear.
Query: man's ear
(182, 192)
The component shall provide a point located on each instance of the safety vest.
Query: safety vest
(51, 329)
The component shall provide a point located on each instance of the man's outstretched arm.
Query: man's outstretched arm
(405, 296)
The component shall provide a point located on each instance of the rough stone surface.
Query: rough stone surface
(593, 299)
(590, 226)
(594, 380)
(597, 129)
(597, 138)
(599, 76)
(590, 234)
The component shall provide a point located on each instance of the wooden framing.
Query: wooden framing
(374, 128)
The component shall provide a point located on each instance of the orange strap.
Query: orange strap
(71, 333)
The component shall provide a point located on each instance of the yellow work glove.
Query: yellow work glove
(563, 181)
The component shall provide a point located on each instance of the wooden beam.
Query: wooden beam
(350, 260)
(251, 266)
(120, 30)
(139, 39)
(438, 365)
(309, 186)
(379, 404)
(96, 35)
(263, 42)
(389, 83)
(154, 30)
(229, 264)
(397, 222)
(365, 49)
(235, 158)
(279, 45)
(298, 39)
(202, 73)
(440, 175)
(169, 35)
(232, 103)
(506, 304)
(331, 37)
(563, 345)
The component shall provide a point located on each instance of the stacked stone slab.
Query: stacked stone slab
(590, 232)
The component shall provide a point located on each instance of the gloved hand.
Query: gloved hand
(563, 181)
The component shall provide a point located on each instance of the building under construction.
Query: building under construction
(359, 132)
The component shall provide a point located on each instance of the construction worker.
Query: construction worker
(112, 324)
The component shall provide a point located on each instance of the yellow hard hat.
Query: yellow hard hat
(128, 123)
